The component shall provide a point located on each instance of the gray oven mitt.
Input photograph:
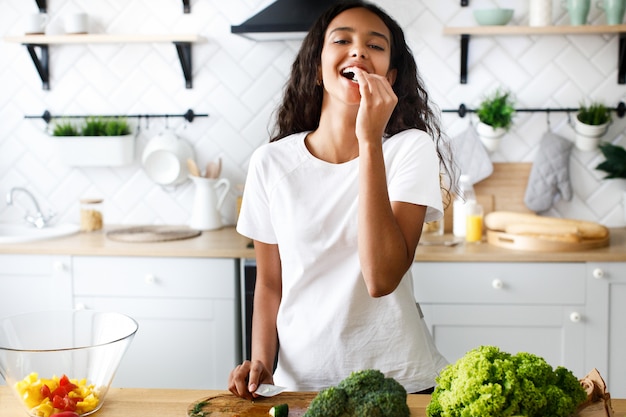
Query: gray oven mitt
(549, 176)
(471, 155)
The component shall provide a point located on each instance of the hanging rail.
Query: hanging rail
(189, 115)
(463, 110)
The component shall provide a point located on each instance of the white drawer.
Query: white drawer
(499, 283)
(154, 277)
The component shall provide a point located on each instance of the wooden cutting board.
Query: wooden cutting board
(228, 405)
(532, 243)
(152, 233)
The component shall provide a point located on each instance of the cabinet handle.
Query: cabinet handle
(80, 306)
(497, 284)
(59, 266)
(575, 317)
(150, 279)
(598, 273)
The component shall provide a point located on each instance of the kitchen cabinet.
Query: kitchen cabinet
(187, 310)
(466, 32)
(606, 289)
(34, 283)
(534, 307)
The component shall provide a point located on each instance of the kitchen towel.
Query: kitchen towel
(471, 155)
(549, 176)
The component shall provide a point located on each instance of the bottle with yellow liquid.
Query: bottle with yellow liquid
(474, 223)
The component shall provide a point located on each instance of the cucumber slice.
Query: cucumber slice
(280, 410)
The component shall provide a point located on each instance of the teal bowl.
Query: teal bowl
(493, 17)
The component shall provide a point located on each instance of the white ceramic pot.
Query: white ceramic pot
(489, 136)
(588, 136)
(165, 159)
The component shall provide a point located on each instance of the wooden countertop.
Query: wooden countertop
(227, 243)
(137, 402)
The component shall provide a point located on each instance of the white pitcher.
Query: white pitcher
(207, 202)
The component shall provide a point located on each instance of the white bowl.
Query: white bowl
(165, 159)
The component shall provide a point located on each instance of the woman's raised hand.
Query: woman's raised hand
(377, 103)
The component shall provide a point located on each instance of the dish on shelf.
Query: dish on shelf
(493, 17)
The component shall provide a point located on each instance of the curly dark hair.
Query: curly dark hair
(301, 107)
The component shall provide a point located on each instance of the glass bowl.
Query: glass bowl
(63, 360)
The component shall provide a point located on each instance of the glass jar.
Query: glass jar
(91, 214)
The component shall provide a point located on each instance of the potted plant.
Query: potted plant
(614, 164)
(98, 141)
(495, 115)
(591, 124)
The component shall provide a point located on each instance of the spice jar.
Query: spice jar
(90, 214)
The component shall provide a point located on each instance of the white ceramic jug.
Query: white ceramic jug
(210, 194)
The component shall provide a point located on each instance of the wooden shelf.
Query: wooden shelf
(103, 38)
(42, 42)
(535, 30)
(466, 32)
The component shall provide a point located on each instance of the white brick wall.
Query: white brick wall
(238, 82)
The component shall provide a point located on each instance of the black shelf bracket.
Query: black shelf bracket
(465, 38)
(186, 6)
(621, 59)
(42, 5)
(184, 55)
(464, 3)
(41, 62)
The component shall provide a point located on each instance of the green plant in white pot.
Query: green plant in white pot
(495, 114)
(591, 124)
(98, 141)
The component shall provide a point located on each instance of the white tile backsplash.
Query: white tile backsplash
(238, 82)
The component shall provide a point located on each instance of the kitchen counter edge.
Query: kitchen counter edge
(227, 243)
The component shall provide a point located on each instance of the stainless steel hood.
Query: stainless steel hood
(282, 20)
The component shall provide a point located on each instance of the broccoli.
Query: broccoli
(488, 382)
(364, 394)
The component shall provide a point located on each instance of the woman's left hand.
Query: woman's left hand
(377, 103)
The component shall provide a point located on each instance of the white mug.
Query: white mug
(76, 23)
(540, 13)
(36, 23)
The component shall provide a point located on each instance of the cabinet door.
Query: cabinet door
(536, 308)
(34, 283)
(187, 310)
(606, 287)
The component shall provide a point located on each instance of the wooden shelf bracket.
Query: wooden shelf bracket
(41, 62)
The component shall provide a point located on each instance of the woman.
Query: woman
(335, 205)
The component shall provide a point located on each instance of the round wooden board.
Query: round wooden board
(152, 234)
(228, 405)
(532, 243)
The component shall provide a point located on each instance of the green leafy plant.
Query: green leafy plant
(488, 382)
(594, 114)
(615, 161)
(117, 127)
(94, 126)
(65, 128)
(497, 109)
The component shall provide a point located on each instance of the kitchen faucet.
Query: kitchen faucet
(38, 220)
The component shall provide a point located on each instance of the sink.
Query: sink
(16, 233)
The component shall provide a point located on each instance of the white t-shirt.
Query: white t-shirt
(328, 325)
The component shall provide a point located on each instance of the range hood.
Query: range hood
(282, 20)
